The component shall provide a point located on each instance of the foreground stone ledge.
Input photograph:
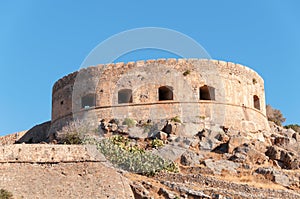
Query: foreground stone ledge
(64, 180)
(44, 153)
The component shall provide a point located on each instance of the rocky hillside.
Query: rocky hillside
(211, 162)
(11, 138)
(218, 161)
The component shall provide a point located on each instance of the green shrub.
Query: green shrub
(295, 127)
(133, 158)
(176, 119)
(4, 194)
(187, 72)
(156, 143)
(72, 138)
(202, 117)
(90, 140)
(173, 167)
(129, 122)
(120, 141)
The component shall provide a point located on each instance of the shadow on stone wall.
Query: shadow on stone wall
(36, 134)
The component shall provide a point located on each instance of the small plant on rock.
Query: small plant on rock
(4, 194)
(187, 72)
(72, 138)
(75, 132)
(173, 168)
(176, 119)
(120, 141)
(129, 122)
(156, 143)
(295, 127)
(202, 117)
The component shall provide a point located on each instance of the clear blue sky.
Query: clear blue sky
(41, 41)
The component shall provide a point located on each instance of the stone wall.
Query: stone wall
(59, 171)
(42, 153)
(233, 105)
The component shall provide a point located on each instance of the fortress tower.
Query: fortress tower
(195, 90)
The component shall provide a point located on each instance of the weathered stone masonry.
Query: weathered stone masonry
(210, 91)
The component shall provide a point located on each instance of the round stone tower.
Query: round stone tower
(195, 90)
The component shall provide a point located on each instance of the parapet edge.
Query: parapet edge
(70, 78)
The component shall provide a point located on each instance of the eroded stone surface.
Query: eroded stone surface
(59, 171)
(63, 180)
(41, 153)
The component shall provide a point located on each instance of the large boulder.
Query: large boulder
(190, 158)
(217, 166)
(172, 127)
(285, 159)
(235, 141)
(296, 136)
(274, 175)
(162, 135)
(174, 150)
(247, 154)
(210, 139)
(137, 133)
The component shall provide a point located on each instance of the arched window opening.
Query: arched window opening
(125, 96)
(256, 102)
(88, 101)
(165, 93)
(207, 93)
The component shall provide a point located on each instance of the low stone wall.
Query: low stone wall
(11, 138)
(59, 171)
(44, 153)
(63, 180)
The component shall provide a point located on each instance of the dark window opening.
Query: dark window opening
(256, 102)
(61, 102)
(88, 101)
(207, 93)
(125, 96)
(165, 93)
